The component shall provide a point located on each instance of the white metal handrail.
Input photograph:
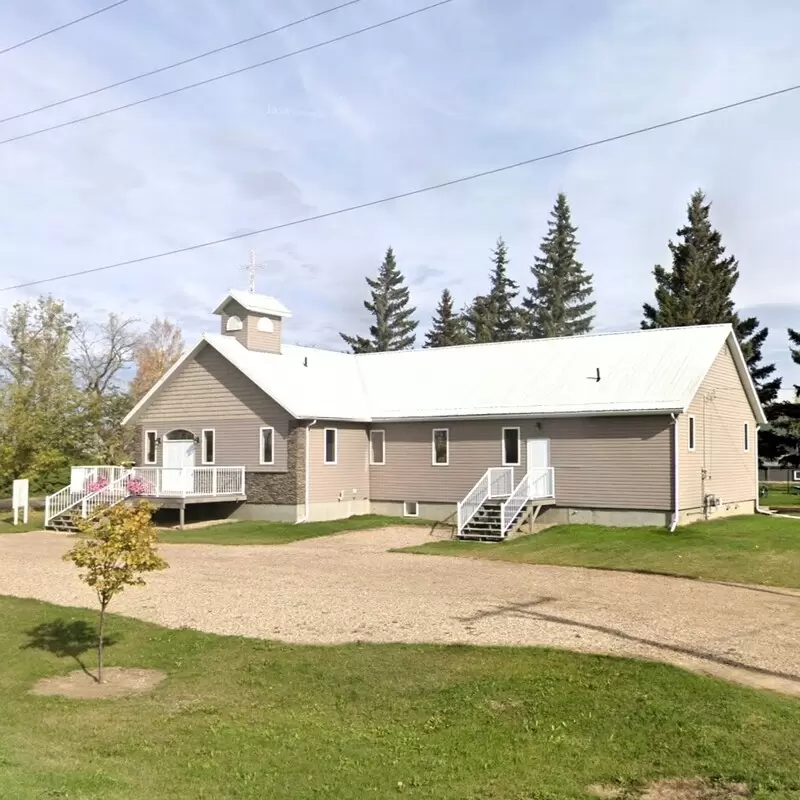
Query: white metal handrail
(495, 482)
(58, 503)
(501, 481)
(115, 492)
(537, 483)
(187, 481)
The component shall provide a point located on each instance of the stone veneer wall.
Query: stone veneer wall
(282, 488)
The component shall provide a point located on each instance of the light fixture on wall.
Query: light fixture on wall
(196, 439)
(158, 440)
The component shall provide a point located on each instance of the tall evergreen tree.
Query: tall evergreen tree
(448, 327)
(502, 294)
(559, 304)
(794, 339)
(698, 289)
(394, 327)
(478, 320)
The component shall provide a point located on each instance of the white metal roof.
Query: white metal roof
(654, 371)
(257, 303)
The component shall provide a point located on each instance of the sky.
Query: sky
(466, 87)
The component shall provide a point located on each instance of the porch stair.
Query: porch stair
(62, 508)
(494, 510)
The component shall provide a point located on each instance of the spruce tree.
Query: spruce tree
(503, 314)
(478, 320)
(559, 304)
(794, 339)
(448, 327)
(394, 328)
(698, 289)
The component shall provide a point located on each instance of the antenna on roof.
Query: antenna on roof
(252, 268)
(597, 376)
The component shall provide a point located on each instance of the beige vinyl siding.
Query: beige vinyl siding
(720, 408)
(600, 462)
(250, 336)
(209, 392)
(351, 470)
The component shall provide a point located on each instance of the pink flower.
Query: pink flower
(96, 484)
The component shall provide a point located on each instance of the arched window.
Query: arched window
(233, 324)
(265, 325)
(180, 435)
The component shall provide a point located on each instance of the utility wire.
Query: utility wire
(401, 195)
(239, 71)
(61, 27)
(185, 61)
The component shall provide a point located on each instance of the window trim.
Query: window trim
(505, 461)
(261, 446)
(434, 462)
(406, 512)
(692, 433)
(145, 460)
(335, 447)
(203, 433)
(747, 437)
(373, 463)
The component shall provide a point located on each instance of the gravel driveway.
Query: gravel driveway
(349, 588)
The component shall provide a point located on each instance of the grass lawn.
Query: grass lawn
(747, 549)
(35, 522)
(242, 533)
(779, 495)
(243, 718)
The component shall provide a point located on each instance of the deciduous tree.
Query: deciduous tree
(155, 352)
(119, 549)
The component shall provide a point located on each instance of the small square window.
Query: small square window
(511, 447)
(331, 436)
(150, 447)
(208, 446)
(410, 508)
(377, 447)
(267, 452)
(692, 433)
(441, 447)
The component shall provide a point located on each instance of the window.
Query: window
(747, 437)
(233, 324)
(267, 452)
(377, 447)
(208, 446)
(411, 508)
(441, 447)
(692, 433)
(511, 447)
(330, 445)
(265, 325)
(150, 447)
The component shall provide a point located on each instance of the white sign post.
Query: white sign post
(20, 500)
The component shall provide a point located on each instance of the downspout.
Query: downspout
(759, 510)
(307, 501)
(676, 479)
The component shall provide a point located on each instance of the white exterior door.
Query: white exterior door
(178, 474)
(538, 455)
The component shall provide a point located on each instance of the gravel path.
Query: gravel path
(349, 588)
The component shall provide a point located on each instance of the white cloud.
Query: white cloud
(466, 87)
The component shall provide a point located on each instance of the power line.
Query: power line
(401, 195)
(239, 71)
(61, 27)
(185, 61)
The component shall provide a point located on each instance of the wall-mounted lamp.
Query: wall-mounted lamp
(158, 440)
(196, 439)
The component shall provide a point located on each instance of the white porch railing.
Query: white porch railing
(81, 477)
(537, 483)
(115, 492)
(495, 482)
(186, 481)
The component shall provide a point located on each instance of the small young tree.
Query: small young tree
(120, 547)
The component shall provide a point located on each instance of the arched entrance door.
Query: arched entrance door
(178, 462)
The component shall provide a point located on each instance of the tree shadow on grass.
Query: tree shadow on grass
(67, 639)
